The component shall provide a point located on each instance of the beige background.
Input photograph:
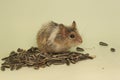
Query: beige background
(97, 20)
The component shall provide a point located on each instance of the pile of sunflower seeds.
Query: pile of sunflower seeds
(33, 57)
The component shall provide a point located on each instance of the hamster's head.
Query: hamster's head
(71, 35)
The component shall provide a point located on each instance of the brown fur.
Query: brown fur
(62, 40)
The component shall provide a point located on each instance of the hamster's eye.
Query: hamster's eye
(72, 36)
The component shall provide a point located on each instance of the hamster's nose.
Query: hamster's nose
(80, 40)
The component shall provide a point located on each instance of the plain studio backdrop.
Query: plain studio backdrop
(97, 20)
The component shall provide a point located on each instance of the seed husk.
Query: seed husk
(103, 44)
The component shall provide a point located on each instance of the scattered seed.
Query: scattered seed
(79, 49)
(19, 50)
(103, 44)
(18, 67)
(112, 49)
(5, 58)
(13, 53)
(12, 67)
(2, 68)
(67, 61)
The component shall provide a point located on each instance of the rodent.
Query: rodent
(54, 37)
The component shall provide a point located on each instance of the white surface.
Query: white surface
(97, 20)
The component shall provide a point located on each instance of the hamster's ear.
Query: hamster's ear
(62, 30)
(74, 24)
(61, 25)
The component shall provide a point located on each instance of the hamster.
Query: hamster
(54, 37)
